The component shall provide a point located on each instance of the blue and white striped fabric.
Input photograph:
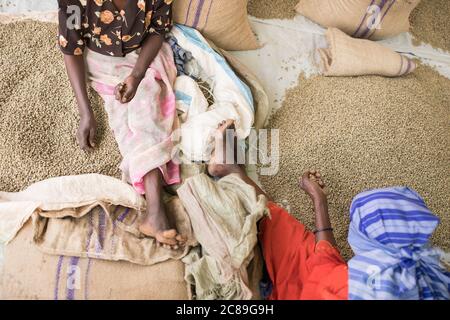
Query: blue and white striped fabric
(389, 233)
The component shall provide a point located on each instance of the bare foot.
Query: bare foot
(311, 182)
(157, 225)
(218, 166)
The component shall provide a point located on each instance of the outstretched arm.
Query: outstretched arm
(72, 45)
(76, 71)
(311, 182)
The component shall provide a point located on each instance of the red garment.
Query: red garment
(299, 268)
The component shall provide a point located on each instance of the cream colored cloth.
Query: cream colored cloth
(347, 56)
(60, 193)
(223, 216)
(89, 216)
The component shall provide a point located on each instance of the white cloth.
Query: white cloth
(232, 97)
(190, 100)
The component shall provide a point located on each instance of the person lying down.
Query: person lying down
(389, 233)
(298, 261)
(120, 46)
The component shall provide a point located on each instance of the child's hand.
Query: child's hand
(86, 132)
(125, 91)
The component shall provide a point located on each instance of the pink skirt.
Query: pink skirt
(143, 127)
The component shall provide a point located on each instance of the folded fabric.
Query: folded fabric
(89, 216)
(180, 55)
(298, 267)
(263, 109)
(347, 56)
(389, 234)
(224, 216)
(30, 274)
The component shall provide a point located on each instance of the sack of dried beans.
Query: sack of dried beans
(368, 19)
(347, 56)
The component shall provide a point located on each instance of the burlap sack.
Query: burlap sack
(223, 21)
(347, 56)
(369, 19)
(28, 273)
(107, 232)
(90, 216)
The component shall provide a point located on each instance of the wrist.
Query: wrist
(84, 107)
(137, 75)
(319, 200)
(323, 229)
(86, 114)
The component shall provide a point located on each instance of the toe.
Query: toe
(300, 182)
(166, 241)
(230, 125)
(170, 234)
(305, 176)
(303, 179)
(226, 124)
(169, 241)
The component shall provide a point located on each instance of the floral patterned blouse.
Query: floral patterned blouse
(102, 27)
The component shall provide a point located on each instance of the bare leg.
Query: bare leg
(218, 166)
(155, 223)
